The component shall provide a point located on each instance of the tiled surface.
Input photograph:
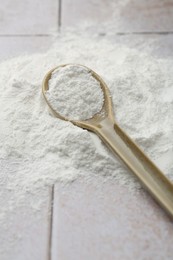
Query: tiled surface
(28, 17)
(26, 232)
(82, 210)
(157, 45)
(100, 220)
(75, 12)
(128, 16)
(13, 46)
(37, 20)
(25, 27)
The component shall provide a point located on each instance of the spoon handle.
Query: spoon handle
(152, 178)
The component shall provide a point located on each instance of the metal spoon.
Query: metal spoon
(105, 126)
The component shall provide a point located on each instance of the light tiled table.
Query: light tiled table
(91, 220)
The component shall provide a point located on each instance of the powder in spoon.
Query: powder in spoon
(74, 92)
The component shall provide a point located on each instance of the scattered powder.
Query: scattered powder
(37, 149)
(75, 93)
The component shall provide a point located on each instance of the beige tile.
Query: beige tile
(13, 46)
(101, 220)
(75, 12)
(126, 16)
(25, 233)
(28, 17)
(156, 45)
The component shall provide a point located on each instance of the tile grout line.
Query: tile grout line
(25, 35)
(59, 14)
(59, 27)
(51, 223)
(145, 33)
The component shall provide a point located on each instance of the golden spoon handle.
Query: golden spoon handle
(152, 178)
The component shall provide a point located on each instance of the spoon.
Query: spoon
(105, 126)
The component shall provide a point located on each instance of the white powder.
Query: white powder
(75, 93)
(37, 149)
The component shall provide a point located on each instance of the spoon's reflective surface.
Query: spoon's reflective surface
(105, 126)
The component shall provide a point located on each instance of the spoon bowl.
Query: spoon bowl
(105, 112)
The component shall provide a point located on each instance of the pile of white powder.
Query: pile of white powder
(37, 149)
(74, 92)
